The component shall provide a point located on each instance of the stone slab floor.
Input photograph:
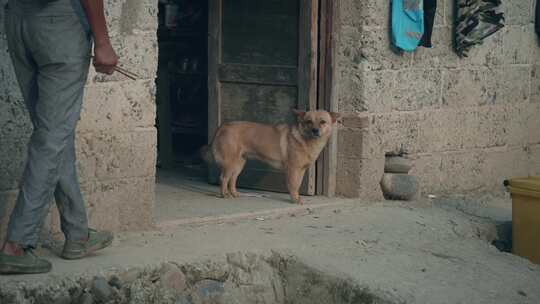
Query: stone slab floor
(416, 252)
(183, 196)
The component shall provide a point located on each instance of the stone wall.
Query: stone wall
(467, 123)
(116, 144)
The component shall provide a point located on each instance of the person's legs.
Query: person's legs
(14, 258)
(61, 50)
(68, 196)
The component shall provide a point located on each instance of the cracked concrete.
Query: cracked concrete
(417, 252)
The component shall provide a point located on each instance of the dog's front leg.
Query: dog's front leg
(294, 180)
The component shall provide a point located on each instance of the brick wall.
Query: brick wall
(468, 123)
(116, 144)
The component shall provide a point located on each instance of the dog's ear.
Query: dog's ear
(299, 114)
(335, 116)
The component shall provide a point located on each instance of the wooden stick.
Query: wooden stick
(124, 72)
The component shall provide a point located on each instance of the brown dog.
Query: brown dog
(290, 148)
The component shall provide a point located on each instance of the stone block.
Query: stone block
(121, 205)
(517, 44)
(208, 291)
(348, 49)
(172, 278)
(377, 54)
(7, 202)
(138, 54)
(137, 204)
(500, 126)
(511, 84)
(448, 6)
(416, 89)
(2, 16)
(371, 13)
(534, 160)
(516, 126)
(359, 178)
(390, 131)
(377, 90)
(399, 186)
(462, 172)
(139, 105)
(120, 106)
(349, 91)
(120, 155)
(427, 169)
(126, 17)
(431, 133)
(533, 123)
(86, 159)
(370, 177)
(517, 12)
(504, 164)
(9, 87)
(102, 108)
(101, 290)
(468, 87)
(535, 83)
(355, 121)
(352, 143)
(14, 119)
(448, 129)
(348, 177)
(12, 160)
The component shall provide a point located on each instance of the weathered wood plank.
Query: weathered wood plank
(332, 18)
(259, 103)
(307, 75)
(260, 74)
(214, 59)
(260, 32)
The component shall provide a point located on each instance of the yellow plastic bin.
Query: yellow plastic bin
(525, 194)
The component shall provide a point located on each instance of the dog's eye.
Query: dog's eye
(323, 122)
(309, 122)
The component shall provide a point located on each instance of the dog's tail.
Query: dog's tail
(206, 154)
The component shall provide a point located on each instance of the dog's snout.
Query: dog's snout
(315, 131)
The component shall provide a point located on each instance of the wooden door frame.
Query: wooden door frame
(323, 96)
(329, 25)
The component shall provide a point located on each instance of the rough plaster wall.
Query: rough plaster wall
(116, 144)
(468, 123)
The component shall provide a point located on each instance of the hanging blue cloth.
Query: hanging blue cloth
(407, 24)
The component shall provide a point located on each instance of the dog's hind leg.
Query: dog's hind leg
(236, 170)
(224, 179)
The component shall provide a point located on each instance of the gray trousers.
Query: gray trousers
(50, 50)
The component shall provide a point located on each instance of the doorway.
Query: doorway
(223, 60)
(182, 85)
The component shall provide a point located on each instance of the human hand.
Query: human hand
(105, 59)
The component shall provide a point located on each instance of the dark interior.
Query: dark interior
(182, 83)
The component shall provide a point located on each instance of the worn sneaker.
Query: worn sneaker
(25, 264)
(96, 241)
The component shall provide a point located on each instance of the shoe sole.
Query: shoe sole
(82, 254)
(11, 269)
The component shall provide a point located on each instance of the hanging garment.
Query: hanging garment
(407, 24)
(476, 20)
(430, 9)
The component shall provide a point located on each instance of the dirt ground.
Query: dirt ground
(417, 252)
